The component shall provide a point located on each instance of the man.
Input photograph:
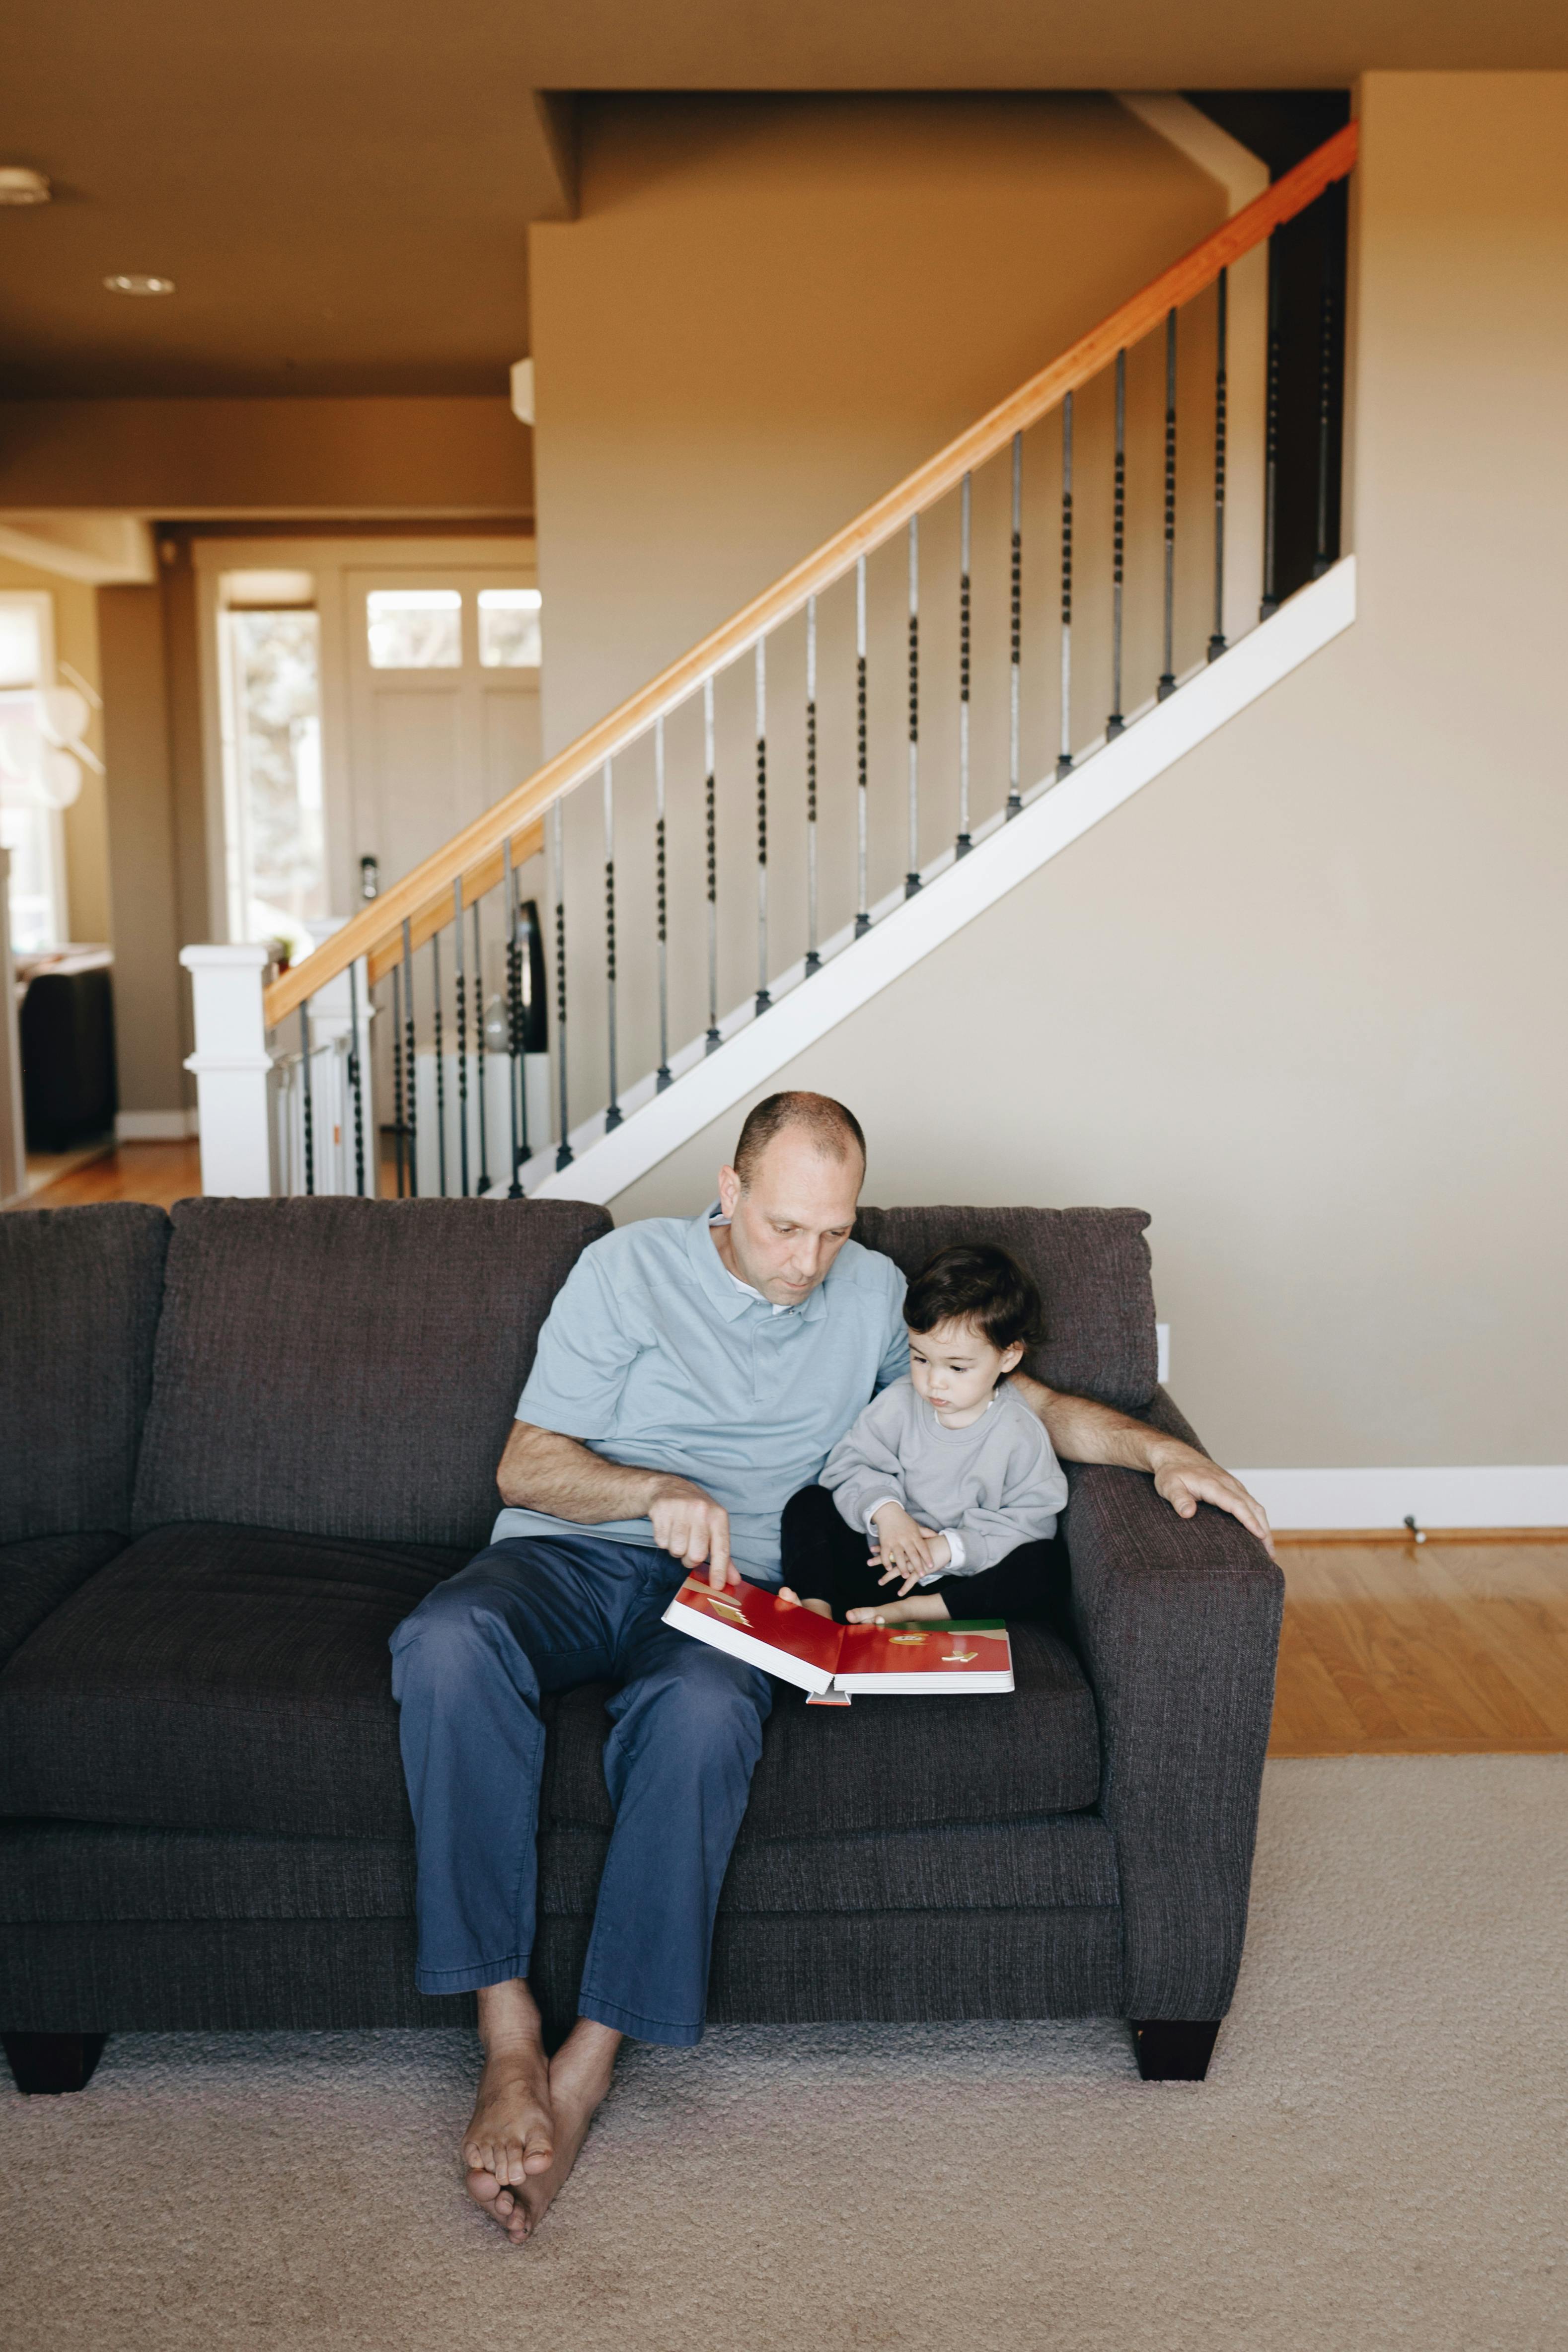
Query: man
(691, 1376)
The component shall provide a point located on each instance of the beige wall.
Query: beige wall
(86, 823)
(1304, 999)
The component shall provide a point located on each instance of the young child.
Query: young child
(946, 1489)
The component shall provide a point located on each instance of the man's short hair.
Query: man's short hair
(977, 1284)
(830, 1128)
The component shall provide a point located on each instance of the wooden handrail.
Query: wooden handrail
(421, 893)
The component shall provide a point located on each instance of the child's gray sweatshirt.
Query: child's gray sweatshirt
(987, 1488)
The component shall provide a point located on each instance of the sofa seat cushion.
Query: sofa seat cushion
(219, 1677)
(883, 1763)
(37, 1575)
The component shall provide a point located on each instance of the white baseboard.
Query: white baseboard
(1494, 1495)
(155, 1126)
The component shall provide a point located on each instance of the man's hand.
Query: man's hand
(1186, 1478)
(903, 1550)
(694, 1529)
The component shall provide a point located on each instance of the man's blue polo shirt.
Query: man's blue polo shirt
(653, 1356)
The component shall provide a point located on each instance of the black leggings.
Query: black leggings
(824, 1559)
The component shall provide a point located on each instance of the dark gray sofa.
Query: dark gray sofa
(240, 1444)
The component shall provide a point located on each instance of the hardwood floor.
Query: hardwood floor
(1390, 1648)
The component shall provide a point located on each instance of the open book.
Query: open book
(817, 1655)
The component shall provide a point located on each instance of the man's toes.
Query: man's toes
(538, 2152)
(482, 2186)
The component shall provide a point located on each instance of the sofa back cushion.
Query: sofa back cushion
(1092, 1267)
(348, 1368)
(78, 1308)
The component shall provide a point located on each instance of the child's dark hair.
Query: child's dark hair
(974, 1281)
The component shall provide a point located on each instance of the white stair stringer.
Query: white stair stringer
(953, 892)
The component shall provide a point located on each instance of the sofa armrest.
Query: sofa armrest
(1177, 1623)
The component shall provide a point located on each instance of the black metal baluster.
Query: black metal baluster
(513, 1022)
(412, 1069)
(612, 1109)
(961, 847)
(763, 999)
(483, 1184)
(1168, 674)
(862, 757)
(440, 1071)
(564, 1148)
(1270, 603)
(1222, 302)
(1015, 680)
(356, 1078)
(306, 1105)
(397, 1072)
(1326, 325)
(1064, 754)
(712, 1040)
(913, 871)
(460, 978)
(1116, 722)
(813, 960)
(527, 930)
(662, 1077)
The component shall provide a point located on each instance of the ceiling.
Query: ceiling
(340, 189)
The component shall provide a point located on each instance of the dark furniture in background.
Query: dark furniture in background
(66, 1027)
(240, 1444)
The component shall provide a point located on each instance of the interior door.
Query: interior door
(444, 702)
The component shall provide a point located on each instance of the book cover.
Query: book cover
(817, 1655)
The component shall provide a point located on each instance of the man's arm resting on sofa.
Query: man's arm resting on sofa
(542, 1471)
(1082, 1431)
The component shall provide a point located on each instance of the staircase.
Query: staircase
(997, 654)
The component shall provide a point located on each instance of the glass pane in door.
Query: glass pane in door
(414, 628)
(509, 628)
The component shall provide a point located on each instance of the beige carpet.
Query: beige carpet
(1377, 2158)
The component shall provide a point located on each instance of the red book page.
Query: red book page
(748, 1608)
(929, 1649)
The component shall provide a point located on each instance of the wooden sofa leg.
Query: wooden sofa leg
(51, 2063)
(1174, 2049)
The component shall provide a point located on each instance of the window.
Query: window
(37, 777)
(509, 628)
(414, 628)
(273, 728)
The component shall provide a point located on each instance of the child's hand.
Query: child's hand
(904, 1550)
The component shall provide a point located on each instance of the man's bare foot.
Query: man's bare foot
(580, 2075)
(920, 1608)
(511, 2134)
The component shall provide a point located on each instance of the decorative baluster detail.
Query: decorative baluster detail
(712, 1040)
(1116, 722)
(763, 1000)
(662, 1077)
(1222, 304)
(963, 844)
(412, 1066)
(558, 843)
(1270, 603)
(440, 1071)
(1168, 674)
(1326, 324)
(397, 1072)
(525, 936)
(912, 872)
(307, 1105)
(612, 1108)
(458, 980)
(862, 767)
(813, 960)
(1064, 756)
(356, 1078)
(1014, 678)
(483, 1185)
(513, 1020)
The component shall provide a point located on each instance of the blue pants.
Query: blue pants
(543, 1613)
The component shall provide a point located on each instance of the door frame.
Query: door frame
(330, 556)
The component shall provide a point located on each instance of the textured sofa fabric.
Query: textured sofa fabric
(37, 1575)
(1092, 1267)
(348, 1368)
(80, 1291)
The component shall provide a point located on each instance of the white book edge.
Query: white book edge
(746, 1646)
(918, 1686)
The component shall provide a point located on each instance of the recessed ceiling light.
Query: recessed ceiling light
(132, 282)
(19, 186)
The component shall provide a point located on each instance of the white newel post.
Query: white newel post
(233, 1070)
(12, 1145)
